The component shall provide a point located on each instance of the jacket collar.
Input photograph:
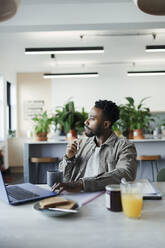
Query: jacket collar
(110, 141)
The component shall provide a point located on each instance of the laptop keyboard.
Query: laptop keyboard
(20, 193)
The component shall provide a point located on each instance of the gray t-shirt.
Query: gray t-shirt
(92, 168)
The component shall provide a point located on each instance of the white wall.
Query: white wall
(31, 86)
(8, 74)
(114, 85)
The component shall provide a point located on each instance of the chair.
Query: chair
(37, 162)
(153, 159)
(161, 175)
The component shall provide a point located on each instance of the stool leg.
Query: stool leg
(36, 173)
(156, 164)
(152, 165)
(140, 168)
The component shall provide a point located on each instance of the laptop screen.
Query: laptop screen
(3, 193)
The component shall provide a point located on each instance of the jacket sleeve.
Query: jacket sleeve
(125, 167)
(66, 166)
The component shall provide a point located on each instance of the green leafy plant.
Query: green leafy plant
(162, 123)
(117, 128)
(124, 123)
(140, 116)
(11, 133)
(68, 118)
(134, 117)
(42, 123)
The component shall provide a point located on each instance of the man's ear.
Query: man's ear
(107, 124)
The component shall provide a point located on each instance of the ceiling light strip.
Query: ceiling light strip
(71, 75)
(145, 73)
(157, 48)
(64, 50)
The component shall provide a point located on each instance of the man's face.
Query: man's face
(94, 125)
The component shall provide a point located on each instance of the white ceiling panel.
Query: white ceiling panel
(124, 39)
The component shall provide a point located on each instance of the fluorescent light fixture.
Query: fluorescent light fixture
(64, 50)
(71, 75)
(156, 48)
(145, 73)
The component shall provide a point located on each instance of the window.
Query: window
(9, 105)
(11, 109)
(1, 109)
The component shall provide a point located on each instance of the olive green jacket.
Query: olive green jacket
(117, 160)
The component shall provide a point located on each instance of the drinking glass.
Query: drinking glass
(132, 199)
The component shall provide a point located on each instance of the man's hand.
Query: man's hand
(70, 186)
(73, 148)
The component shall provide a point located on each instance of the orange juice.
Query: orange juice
(132, 205)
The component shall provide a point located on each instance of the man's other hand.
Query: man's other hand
(75, 187)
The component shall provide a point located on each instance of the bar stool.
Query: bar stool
(153, 159)
(40, 161)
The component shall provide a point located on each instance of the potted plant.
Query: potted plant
(42, 125)
(70, 120)
(124, 122)
(138, 117)
(117, 129)
(162, 126)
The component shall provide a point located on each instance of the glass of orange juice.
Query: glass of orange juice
(132, 199)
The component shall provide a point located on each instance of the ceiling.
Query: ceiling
(71, 1)
(118, 25)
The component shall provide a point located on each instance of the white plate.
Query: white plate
(52, 213)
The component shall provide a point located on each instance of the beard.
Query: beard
(92, 132)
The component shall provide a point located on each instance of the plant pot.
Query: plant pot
(71, 135)
(138, 134)
(130, 134)
(41, 136)
(163, 131)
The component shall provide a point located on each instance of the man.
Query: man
(100, 159)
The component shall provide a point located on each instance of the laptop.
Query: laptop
(22, 193)
(150, 192)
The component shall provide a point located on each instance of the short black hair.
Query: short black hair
(110, 110)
